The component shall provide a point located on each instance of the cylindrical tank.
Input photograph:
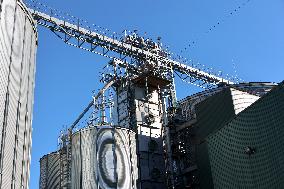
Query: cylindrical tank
(104, 157)
(53, 170)
(18, 44)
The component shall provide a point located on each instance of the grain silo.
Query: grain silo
(104, 157)
(18, 44)
(53, 170)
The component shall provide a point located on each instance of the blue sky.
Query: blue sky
(251, 38)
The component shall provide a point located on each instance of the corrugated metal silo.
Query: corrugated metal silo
(104, 157)
(53, 170)
(18, 44)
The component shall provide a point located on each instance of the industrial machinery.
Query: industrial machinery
(141, 76)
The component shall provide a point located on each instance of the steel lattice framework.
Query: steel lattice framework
(125, 54)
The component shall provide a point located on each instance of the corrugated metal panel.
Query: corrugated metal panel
(7, 23)
(32, 66)
(220, 108)
(18, 153)
(242, 100)
(259, 127)
(24, 101)
(31, 85)
(76, 161)
(113, 159)
(104, 158)
(43, 172)
(83, 159)
(53, 171)
(16, 46)
(14, 88)
(88, 149)
(51, 174)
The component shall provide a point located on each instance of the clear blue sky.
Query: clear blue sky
(252, 38)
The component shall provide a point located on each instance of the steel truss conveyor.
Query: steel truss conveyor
(124, 53)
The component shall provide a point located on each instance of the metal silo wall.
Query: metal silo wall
(53, 170)
(104, 157)
(259, 127)
(18, 43)
(84, 158)
(50, 171)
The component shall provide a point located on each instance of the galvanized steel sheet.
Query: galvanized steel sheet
(18, 43)
(104, 158)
